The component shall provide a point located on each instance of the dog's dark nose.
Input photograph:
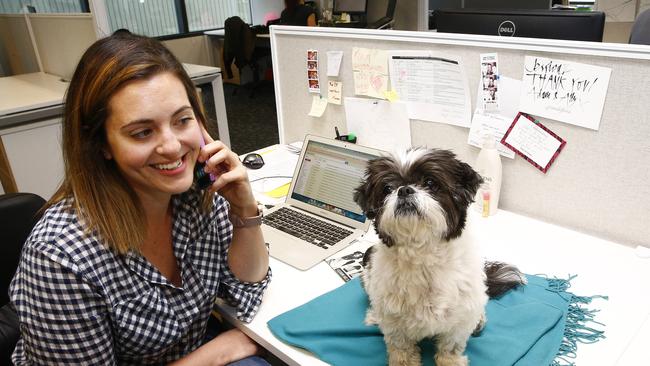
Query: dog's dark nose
(405, 191)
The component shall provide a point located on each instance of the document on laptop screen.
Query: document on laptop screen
(328, 177)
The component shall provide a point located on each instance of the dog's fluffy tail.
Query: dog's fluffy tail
(502, 277)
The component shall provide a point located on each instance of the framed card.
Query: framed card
(533, 141)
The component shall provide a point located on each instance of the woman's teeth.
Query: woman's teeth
(169, 166)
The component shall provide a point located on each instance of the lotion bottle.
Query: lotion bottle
(488, 165)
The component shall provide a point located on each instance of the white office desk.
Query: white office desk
(220, 33)
(603, 268)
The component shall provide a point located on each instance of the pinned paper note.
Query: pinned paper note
(570, 92)
(318, 105)
(334, 62)
(370, 69)
(334, 91)
(533, 141)
(490, 125)
(378, 123)
(496, 122)
(435, 88)
(391, 95)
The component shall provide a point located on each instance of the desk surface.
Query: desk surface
(30, 91)
(603, 268)
(196, 71)
(222, 33)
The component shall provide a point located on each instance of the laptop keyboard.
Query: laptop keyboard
(305, 227)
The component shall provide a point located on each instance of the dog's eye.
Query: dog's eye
(388, 190)
(430, 183)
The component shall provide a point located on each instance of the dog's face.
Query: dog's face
(421, 192)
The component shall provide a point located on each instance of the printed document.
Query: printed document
(435, 88)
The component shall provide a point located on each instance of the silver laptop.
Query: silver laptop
(319, 216)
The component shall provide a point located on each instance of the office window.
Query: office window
(170, 17)
(150, 18)
(43, 6)
(209, 14)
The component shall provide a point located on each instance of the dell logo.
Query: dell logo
(506, 29)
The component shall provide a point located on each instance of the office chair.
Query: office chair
(640, 33)
(18, 214)
(239, 47)
(387, 21)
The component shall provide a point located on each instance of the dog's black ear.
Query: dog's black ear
(383, 236)
(467, 183)
(362, 198)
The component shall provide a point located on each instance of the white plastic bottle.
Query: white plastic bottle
(488, 165)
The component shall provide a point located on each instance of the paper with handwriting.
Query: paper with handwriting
(334, 91)
(533, 141)
(370, 68)
(565, 91)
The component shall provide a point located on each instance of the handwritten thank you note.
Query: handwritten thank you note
(533, 141)
(565, 91)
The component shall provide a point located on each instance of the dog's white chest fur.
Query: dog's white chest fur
(426, 288)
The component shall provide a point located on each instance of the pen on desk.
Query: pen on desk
(338, 135)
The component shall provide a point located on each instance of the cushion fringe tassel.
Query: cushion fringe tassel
(579, 322)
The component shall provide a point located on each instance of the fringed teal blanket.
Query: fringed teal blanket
(536, 324)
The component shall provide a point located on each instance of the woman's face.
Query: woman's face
(153, 136)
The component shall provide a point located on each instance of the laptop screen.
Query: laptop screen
(328, 177)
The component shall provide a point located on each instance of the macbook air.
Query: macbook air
(319, 216)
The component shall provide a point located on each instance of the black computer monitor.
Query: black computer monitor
(553, 24)
(350, 6)
(507, 4)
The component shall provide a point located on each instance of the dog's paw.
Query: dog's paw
(450, 359)
(370, 319)
(404, 356)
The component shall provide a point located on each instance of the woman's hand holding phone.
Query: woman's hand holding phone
(230, 176)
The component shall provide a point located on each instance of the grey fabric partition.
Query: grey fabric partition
(600, 183)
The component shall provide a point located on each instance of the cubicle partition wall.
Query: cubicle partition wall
(61, 40)
(16, 45)
(599, 184)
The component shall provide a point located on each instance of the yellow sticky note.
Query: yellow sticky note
(391, 95)
(279, 192)
(334, 92)
(318, 105)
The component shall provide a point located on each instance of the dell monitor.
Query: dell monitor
(507, 4)
(553, 24)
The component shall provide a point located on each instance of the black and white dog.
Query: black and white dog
(426, 279)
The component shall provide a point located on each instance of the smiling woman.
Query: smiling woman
(153, 136)
(130, 253)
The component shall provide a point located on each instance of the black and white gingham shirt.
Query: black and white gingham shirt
(80, 303)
